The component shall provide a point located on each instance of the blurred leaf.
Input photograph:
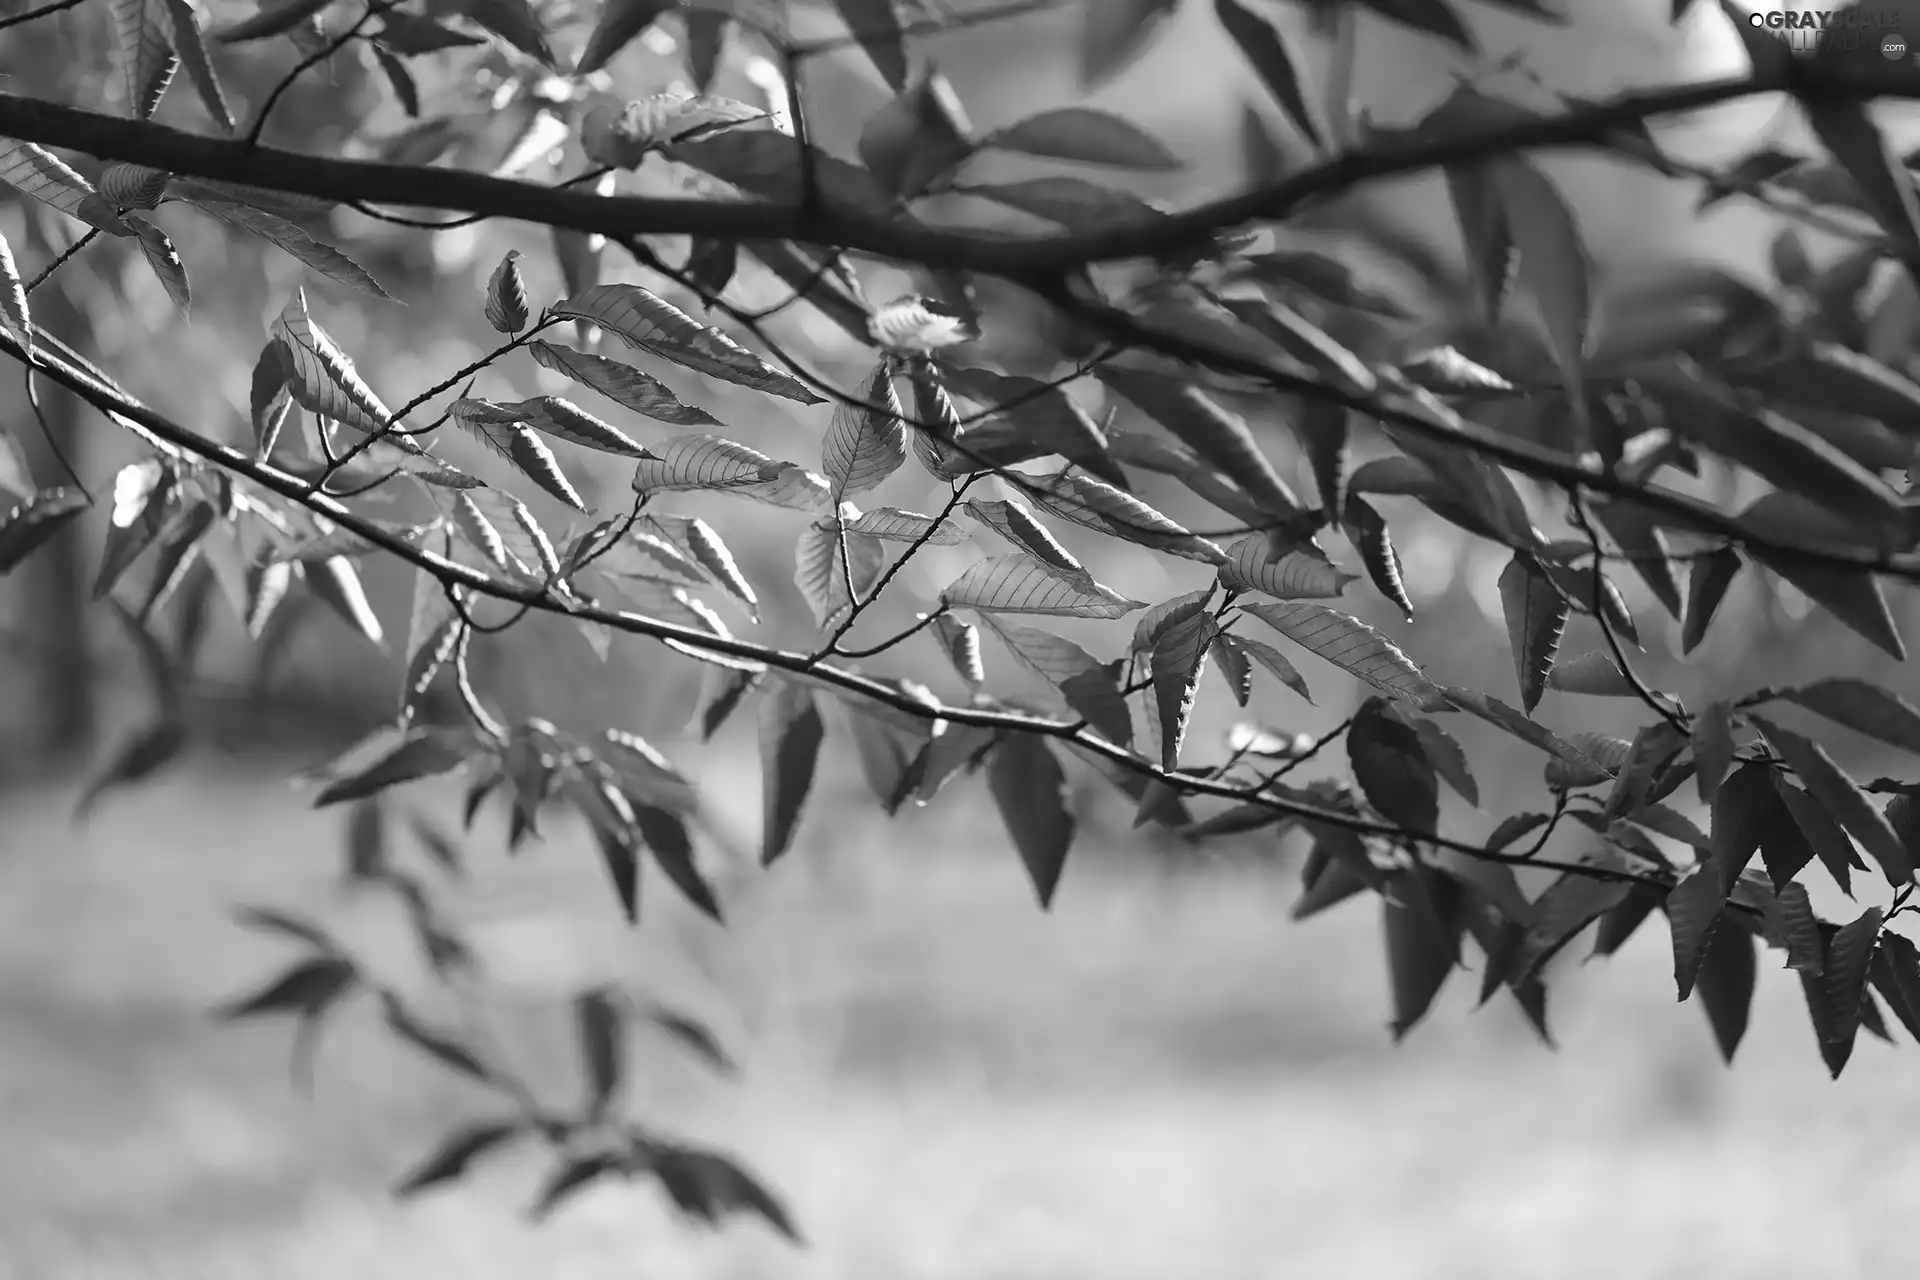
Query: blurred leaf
(708, 1186)
(1029, 789)
(1270, 658)
(515, 22)
(1021, 584)
(649, 324)
(420, 753)
(30, 524)
(1434, 17)
(323, 258)
(1392, 769)
(455, 1153)
(1707, 583)
(272, 20)
(321, 377)
(1841, 796)
(141, 755)
(1350, 644)
(37, 172)
(439, 1046)
(568, 1178)
(307, 989)
(1086, 207)
(621, 383)
(1261, 43)
(405, 91)
(1849, 133)
(1016, 524)
(864, 443)
(1536, 618)
(504, 430)
(1216, 435)
(1713, 748)
(791, 732)
(602, 1027)
(693, 1035)
(619, 22)
(918, 137)
(1105, 509)
(621, 136)
(706, 41)
(1088, 136)
(1554, 262)
(1854, 596)
(1088, 686)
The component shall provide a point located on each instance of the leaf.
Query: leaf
(1350, 644)
(1088, 687)
(876, 25)
(1086, 135)
(961, 643)
(1305, 574)
(621, 383)
(34, 171)
(1179, 658)
(1836, 994)
(306, 989)
(1272, 659)
(1114, 33)
(824, 560)
(1855, 597)
(1433, 17)
(320, 376)
(1103, 508)
(1712, 748)
(454, 1154)
(1554, 263)
(1016, 524)
(164, 259)
(1444, 754)
(1223, 439)
(1260, 42)
(867, 443)
(146, 51)
(1821, 833)
(563, 418)
(1021, 584)
(649, 324)
(1367, 530)
(891, 524)
(776, 168)
(1422, 949)
(14, 316)
(791, 731)
(1694, 908)
(191, 49)
(503, 429)
(1895, 973)
(1392, 769)
(1568, 905)
(621, 136)
(1799, 928)
(601, 1027)
(297, 244)
(712, 556)
(1726, 982)
(1594, 674)
(707, 1186)
(506, 306)
(1536, 619)
(619, 22)
(30, 524)
(703, 462)
(272, 20)
(1573, 760)
(1863, 707)
(1842, 797)
(1029, 789)
(432, 631)
(1085, 207)
(421, 753)
(1849, 133)
(1707, 583)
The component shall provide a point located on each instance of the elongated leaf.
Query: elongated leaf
(1707, 584)
(14, 316)
(28, 525)
(1594, 674)
(1712, 748)
(1178, 661)
(1841, 796)
(1074, 203)
(866, 443)
(648, 323)
(1854, 596)
(1088, 686)
(1029, 789)
(1216, 435)
(822, 569)
(618, 23)
(506, 306)
(1101, 507)
(703, 462)
(1422, 947)
(1726, 981)
(1021, 584)
(1352, 645)
(421, 753)
(791, 731)
(1554, 263)
(1260, 41)
(37, 172)
(569, 422)
(1863, 707)
(272, 20)
(1536, 619)
(320, 376)
(274, 229)
(1089, 136)
(1114, 33)
(620, 383)
(432, 631)
(876, 25)
(712, 555)
(146, 48)
(1845, 129)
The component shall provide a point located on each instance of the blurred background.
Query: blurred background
(1163, 1077)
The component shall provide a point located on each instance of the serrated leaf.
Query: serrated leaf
(1726, 981)
(569, 422)
(320, 376)
(1747, 813)
(504, 430)
(1223, 439)
(1304, 574)
(1836, 994)
(960, 641)
(1694, 909)
(146, 50)
(337, 583)
(824, 560)
(1392, 769)
(1178, 660)
(432, 630)
(506, 306)
(1863, 707)
(1594, 674)
(274, 229)
(648, 323)
(1712, 748)
(1536, 619)
(891, 524)
(1088, 136)
(918, 137)
(164, 260)
(876, 26)
(1029, 789)
(1272, 659)
(703, 462)
(712, 555)
(618, 23)
(1350, 644)
(1554, 263)
(1822, 833)
(1841, 796)
(34, 171)
(1088, 686)
(1103, 508)
(1021, 584)
(865, 443)
(791, 731)
(1264, 48)
(1799, 929)
(272, 20)
(1707, 583)
(1367, 530)
(707, 1186)
(621, 383)
(1421, 924)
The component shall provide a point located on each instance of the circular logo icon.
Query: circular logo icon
(1893, 47)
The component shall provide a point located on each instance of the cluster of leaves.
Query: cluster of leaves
(1193, 323)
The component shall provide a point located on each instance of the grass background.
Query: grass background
(1163, 1078)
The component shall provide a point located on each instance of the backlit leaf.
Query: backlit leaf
(1270, 658)
(320, 376)
(1594, 674)
(1863, 707)
(1223, 439)
(33, 170)
(1392, 769)
(1304, 574)
(1554, 263)
(297, 244)
(1707, 583)
(1016, 524)
(703, 462)
(28, 525)
(1178, 660)
(1350, 644)
(1021, 584)
(648, 323)
(1101, 507)
(865, 443)
(1836, 994)
(569, 422)
(1113, 33)
(506, 306)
